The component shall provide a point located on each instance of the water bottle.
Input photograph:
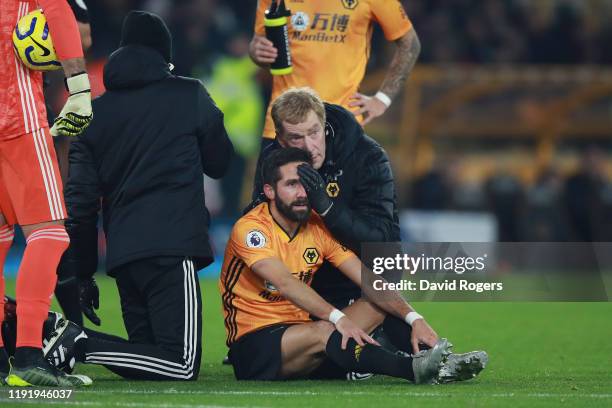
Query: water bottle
(275, 22)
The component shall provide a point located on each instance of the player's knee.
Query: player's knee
(54, 235)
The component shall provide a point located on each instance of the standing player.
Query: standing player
(273, 253)
(30, 186)
(330, 46)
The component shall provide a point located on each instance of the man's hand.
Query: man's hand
(422, 333)
(315, 189)
(262, 51)
(349, 330)
(89, 299)
(76, 114)
(368, 106)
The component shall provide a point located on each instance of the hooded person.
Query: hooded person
(142, 161)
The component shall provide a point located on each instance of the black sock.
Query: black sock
(9, 335)
(4, 364)
(381, 337)
(398, 332)
(368, 359)
(26, 356)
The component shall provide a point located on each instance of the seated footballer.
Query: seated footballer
(270, 259)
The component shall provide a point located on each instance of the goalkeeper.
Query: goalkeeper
(30, 185)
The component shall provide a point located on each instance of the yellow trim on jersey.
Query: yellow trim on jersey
(275, 22)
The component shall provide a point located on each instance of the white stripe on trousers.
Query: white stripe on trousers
(157, 365)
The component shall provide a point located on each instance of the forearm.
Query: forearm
(73, 66)
(406, 55)
(305, 298)
(390, 301)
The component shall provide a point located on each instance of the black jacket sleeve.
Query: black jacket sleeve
(82, 195)
(370, 215)
(216, 148)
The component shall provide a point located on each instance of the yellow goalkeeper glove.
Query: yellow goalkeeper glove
(76, 114)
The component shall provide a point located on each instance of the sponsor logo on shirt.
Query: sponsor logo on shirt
(325, 27)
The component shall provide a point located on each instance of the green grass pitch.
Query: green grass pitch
(541, 354)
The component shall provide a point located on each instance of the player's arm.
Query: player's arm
(396, 25)
(408, 48)
(82, 195)
(76, 114)
(274, 270)
(390, 301)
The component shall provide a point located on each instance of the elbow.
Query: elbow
(414, 43)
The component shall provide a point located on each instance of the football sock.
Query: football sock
(6, 239)
(9, 336)
(27, 356)
(36, 280)
(4, 362)
(398, 332)
(368, 359)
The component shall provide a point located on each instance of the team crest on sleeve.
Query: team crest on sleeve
(255, 239)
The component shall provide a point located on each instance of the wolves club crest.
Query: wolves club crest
(350, 4)
(332, 189)
(311, 256)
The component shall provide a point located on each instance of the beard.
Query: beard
(294, 215)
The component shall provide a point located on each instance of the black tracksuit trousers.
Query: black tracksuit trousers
(162, 312)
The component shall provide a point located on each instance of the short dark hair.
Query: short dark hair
(280, 157)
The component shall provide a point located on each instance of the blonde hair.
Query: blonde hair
(294, 105)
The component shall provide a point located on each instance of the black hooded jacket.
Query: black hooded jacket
(365, 208)
(142, 159)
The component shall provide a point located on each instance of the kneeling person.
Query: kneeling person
(270, 259)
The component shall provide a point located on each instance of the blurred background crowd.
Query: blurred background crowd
(508, 113)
